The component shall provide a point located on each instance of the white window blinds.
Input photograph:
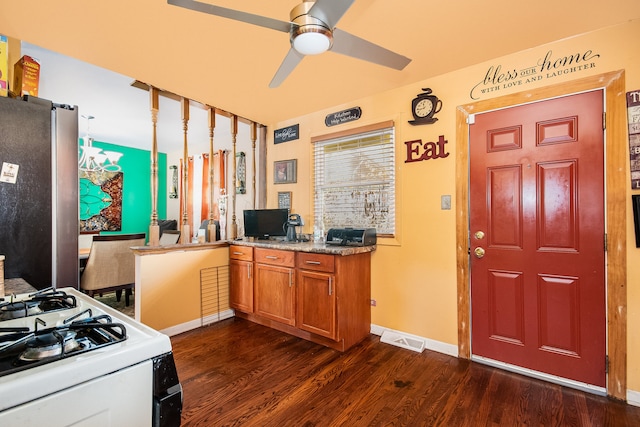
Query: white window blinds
(355, 182)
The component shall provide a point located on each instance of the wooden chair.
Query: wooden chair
(170, 237)
(111, 265)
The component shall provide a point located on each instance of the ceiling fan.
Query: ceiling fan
(312, 31)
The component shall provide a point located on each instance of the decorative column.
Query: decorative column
(211, 116)
(185, 230)
(154, 228)
(262, 179)
(254, 136)
(234, 133)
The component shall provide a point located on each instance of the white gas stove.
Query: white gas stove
(67, 359)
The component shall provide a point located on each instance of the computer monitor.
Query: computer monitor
(265, 223)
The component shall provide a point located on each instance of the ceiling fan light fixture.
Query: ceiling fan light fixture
(312, 42)
(309, 35)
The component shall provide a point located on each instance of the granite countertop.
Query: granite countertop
(315, 247)
(161, 249)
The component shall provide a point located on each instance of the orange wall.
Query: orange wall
(414, 274)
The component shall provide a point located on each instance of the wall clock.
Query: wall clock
(423, 107)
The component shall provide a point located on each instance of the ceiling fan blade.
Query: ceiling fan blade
(350, 45)
(236, 15)
(330, 11)
(290, 62)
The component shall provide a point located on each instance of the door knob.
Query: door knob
(479, 252)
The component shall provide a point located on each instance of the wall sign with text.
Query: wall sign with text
(552, 65)
(343, 116)
(286, 134)
(418, 151)
(633, 118)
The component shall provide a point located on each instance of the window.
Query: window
(354, 180)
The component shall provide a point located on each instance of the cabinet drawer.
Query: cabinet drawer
(243, 253)
(317, 262)
(275, 257)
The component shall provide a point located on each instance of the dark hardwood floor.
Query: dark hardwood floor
(236, 373)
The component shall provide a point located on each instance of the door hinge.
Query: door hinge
(606, 242)
(604, 120)
(606, 364)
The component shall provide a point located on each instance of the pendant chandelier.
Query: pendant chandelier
(94, 158)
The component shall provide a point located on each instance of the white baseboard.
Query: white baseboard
(196, 323)
(214, 318)
(429, 344)
(633, 397)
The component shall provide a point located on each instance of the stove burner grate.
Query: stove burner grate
(20, 351)
(19, 309)
(43, 301)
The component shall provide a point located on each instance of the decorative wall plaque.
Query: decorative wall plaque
(284, 200)
(241, 173)
(343, 116)
(286, 134)
(633, 118)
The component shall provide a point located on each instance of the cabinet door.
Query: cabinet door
(316, 311)
(241, 289)
(275, 293)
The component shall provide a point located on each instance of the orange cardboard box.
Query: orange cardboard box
(4, 65)
(26, 76)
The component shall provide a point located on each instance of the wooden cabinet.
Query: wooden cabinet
(316, 302)
(321, 297)
(241, 271)
(274, 285)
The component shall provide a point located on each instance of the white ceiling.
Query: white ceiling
(121, 112)
(229, 64)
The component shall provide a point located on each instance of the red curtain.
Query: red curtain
(204, 210)
(203, 187)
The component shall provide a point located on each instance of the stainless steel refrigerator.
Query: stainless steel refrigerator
(39, 191)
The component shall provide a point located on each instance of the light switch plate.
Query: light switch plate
(445, 202)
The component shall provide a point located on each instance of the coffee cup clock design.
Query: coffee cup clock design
(423, 107)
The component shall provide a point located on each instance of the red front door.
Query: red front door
(537, 237)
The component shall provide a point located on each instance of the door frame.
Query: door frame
(616, 158)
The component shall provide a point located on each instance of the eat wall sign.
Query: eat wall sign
(417, 150)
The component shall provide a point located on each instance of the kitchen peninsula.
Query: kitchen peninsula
(315, 291)
(168, 293)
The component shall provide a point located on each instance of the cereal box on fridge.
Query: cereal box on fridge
(26, 75)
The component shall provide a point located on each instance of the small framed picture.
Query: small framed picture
(284, 200)
(285, 171)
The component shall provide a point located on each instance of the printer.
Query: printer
(351, 236)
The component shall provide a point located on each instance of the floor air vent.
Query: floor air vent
(401, 340)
